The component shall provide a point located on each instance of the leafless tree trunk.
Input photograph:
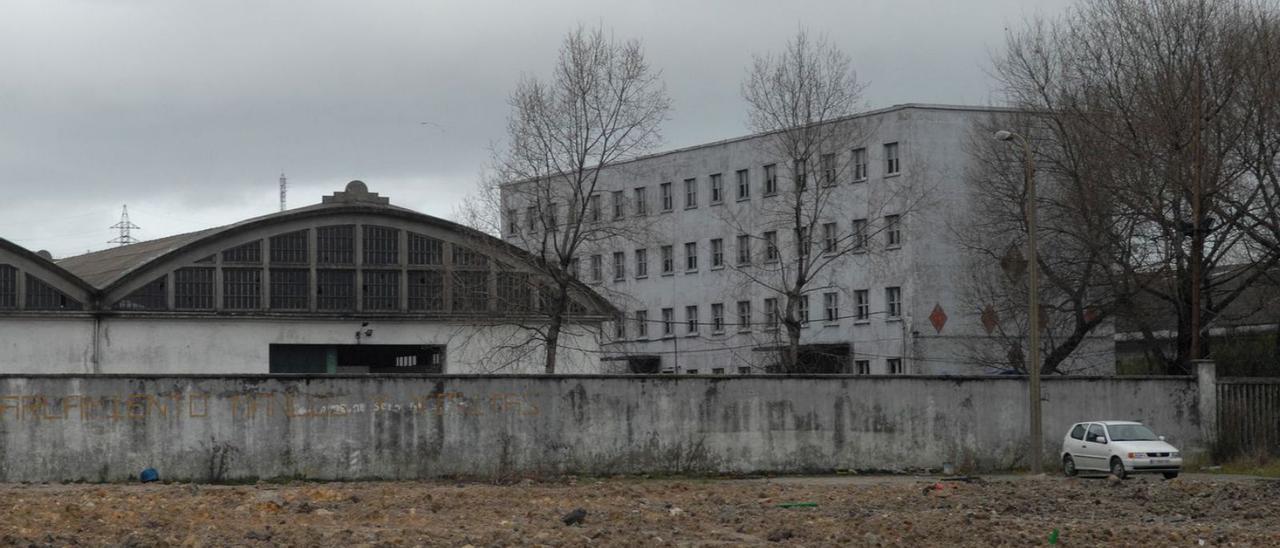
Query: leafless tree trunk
(602, 105)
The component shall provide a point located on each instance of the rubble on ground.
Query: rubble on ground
(634, 512)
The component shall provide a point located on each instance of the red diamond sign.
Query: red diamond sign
(989, 319)
(938, 317)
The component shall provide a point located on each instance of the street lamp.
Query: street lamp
(1037, 438)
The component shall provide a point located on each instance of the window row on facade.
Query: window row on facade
(832, 168)
(892, 366)
(333, 290)
(741, 318)
(35, 293)
(831, 241)
(336, 245)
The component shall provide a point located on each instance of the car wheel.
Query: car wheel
(1117, 468)
(1170, 475)
(1069, 466)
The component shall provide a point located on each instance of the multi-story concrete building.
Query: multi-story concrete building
(695, 267)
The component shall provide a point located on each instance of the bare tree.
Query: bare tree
(803, 101)
(602, 105)
(1156, 105)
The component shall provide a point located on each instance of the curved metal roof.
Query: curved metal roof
(106, 269)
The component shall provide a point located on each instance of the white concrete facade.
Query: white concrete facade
(927, 193)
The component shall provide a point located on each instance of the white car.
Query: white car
(1118, 447)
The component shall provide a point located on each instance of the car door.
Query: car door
(1094, 450)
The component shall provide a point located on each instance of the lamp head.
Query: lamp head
(1004, 135)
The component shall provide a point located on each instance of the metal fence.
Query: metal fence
(1248, 416)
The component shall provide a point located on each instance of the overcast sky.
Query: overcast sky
(189, 111)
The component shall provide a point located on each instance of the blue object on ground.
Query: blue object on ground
(149, 475)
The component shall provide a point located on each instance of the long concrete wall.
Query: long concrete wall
(108, 428)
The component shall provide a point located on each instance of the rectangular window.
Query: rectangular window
(619, 207)
(153, 296)
(862, 367)
(668, 260)
(891, 164)
(426, 290)
(531, 217)
(717, 253)
(553, 219)
(744, 249)
(335, 289)
(289, 288)
(859, 164)
(803, 242)
(249, 253)
(828, 162)
(802, 312)
(691, 320)
(829, 236)
(861, 305)
(619, 266)
(192, 289)
(595, 210)
(8, 287)
(471, 291)
(381, 245)
(717, 317)
(800, 170)
(574, 272)
(770, 246)
(664, 191)
(770, 179)
(620, 327)
(381, 289)
(642, 324)
(893, 230)
(668, 322)
(597, 268)
(744, 184)
(642, 263)
(241, 288)
(717, 188)
(744, 315)
(859, 234)
(690, 193)
(642, 201)
(290, 248)
(691, 257)
(336, 244)
(513, 222)
(425, 251)
(771, 313)
(893, 301)
(894, 365)
(717, 370)
(831, 305)
(514, 292)
(744, 370)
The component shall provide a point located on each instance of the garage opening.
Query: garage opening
(356, 359)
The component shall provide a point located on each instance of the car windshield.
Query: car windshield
(1131, 432)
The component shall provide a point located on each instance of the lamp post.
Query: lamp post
(1033, 283)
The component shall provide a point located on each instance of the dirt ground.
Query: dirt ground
(642, 512)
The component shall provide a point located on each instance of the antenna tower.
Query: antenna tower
(124, 226)
(284, 189)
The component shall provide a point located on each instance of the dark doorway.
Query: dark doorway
(356, 359)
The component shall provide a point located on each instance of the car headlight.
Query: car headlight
(1175, 454)
(1137, 455)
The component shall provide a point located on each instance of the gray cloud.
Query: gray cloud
(188, 111)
